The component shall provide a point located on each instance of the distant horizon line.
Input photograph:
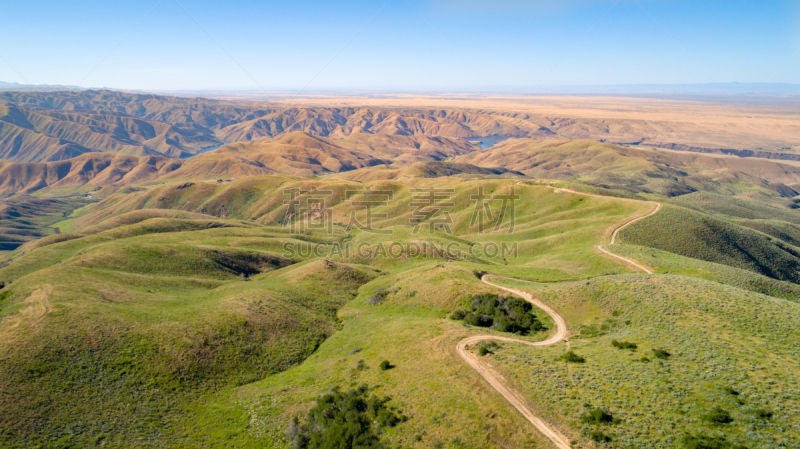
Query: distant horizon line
(733, 87)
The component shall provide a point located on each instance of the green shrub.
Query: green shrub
(378, 296)
(385, 365)
(505, 314)
(718, 415)
(599, 436)
(487, 347)
(344, 419)
(763, 413)
(661, 353)
(624, 345)
(571, 357)
(598, 416)
(458, 315)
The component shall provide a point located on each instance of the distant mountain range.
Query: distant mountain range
(59, 125)
(5, 86)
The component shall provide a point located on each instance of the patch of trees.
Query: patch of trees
(340, 419)
(502, 313)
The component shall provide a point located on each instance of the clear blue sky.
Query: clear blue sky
(399, 45)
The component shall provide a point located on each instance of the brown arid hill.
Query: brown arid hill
(94, 169)
(39, 127)
(341, 122)
(638, 169)
(297, 154)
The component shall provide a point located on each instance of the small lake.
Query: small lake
(486, 142)
(204, 150)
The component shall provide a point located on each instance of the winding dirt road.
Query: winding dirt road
(656, 207)
(496, 381)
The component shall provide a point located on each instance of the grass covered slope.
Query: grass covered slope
(110, 338)
(700, 236)
(638, 170)
(664, 262)
(26, 218)
(448, 404)
(146, 316)
(709, 362)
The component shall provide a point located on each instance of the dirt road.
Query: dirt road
(496, 381)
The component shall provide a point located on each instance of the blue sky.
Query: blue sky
(443, 45)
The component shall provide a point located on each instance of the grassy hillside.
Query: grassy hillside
(140, 327)
(705, 237)
(639, 170)
(25, 218)
(116, 334)
(729, 350)
(669, 263)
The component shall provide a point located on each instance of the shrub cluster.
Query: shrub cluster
(385, 365)
(505, 314)
(718, 415)
(624, 345)
(344, 419)
(487, 347)
(571, 357)
(661, 353)
(599, 416)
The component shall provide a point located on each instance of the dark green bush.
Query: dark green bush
(598, 416)
(458, 315)
(385, 365)
(348, 419)
(571, 357)
(505, 314)
(599, 436)
(718, 415)
(730, 391)
(487, 347)
(661, 353)
(763, 413)
(624, 345)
